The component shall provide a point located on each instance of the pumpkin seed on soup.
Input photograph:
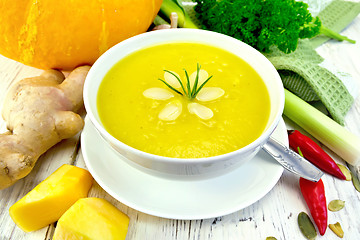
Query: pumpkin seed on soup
(336, 205)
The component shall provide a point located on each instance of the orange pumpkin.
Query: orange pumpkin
(63, 34)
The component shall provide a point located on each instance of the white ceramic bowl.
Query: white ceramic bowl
(177, 166)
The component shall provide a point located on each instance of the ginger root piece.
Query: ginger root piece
(51, 198)
(39, 112)
(92, 219)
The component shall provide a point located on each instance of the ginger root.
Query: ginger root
(39, 113)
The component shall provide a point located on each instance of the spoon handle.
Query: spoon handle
(292, 161)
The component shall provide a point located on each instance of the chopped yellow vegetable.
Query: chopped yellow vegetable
(51, 198)
(92, 219)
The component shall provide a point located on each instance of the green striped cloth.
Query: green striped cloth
(302, 72)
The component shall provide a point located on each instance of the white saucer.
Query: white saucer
(176, 198)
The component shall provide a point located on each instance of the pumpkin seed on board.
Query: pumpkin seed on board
(345, 171)
(336, 205)
(355, 182)
(306, 226)
(355, 179)
(271, 238)
(336, 228)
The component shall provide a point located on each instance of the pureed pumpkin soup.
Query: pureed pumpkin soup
(221, 104)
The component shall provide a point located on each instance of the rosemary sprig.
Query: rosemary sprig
(189, 91)
(171, 86)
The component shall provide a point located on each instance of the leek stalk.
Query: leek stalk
(169, 6)
(330, 133)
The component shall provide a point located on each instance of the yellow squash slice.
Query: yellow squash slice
(51, 198)
(92, 219)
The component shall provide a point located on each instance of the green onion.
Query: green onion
(330, 133)
(169, 6)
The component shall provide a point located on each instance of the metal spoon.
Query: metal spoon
(292, 161)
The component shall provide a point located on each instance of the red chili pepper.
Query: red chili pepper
(314, 153)
(314, 195)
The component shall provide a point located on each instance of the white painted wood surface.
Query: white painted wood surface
(274, 215)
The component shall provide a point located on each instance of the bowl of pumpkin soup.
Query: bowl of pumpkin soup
(184, 101)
